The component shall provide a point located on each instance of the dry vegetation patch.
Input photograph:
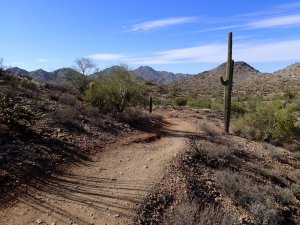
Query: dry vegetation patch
(227, 180)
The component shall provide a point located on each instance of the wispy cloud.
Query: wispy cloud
(161, 23)
(105, 56)
(263, 51)
(275, 22)
(42, 60)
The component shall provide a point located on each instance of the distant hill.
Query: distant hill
(56, 77)
(160, 77)
(146, 73)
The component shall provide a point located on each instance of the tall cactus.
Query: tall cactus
(150, 104)
(228, 85)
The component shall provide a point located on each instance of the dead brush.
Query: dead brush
(211, 154)
(13, 115)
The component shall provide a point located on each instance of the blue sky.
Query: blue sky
(178, 36)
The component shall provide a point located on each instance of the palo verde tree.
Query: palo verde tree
(115, 92)
(78, 76)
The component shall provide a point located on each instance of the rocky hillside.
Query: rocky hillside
(246, 80)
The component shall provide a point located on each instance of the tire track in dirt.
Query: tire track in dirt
(105, 190)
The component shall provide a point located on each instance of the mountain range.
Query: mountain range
(57, 76)
(246, 78)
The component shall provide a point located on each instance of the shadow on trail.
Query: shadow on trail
(31, 156)
(90, 194)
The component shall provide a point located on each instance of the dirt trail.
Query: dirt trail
(105, 190)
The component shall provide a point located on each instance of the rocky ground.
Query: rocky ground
(76, 166)
(224, 179)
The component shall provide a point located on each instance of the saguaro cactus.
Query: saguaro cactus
(228, 85)
(150, 104)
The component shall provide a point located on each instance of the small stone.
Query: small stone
(117, 216)
(121, 173)
(39, 221)
(145, 167)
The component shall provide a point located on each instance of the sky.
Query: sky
(178, 36)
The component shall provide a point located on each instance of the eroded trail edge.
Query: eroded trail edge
(106, 190)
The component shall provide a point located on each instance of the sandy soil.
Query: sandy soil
(107, 189)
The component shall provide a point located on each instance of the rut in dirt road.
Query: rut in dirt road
(106, 190)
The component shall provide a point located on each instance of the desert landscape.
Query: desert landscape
(125, 113)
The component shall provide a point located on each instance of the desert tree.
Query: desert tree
(117, 91)
(78, 76)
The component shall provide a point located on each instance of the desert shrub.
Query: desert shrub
(13, 115)
(54, 96)
(268, 122)
(90, 111)
(67, 99)
(162, 101)
(283, 195)
(217, 104)
(137, 118)
(180, 101)
(288, 94)
(211, 154)
(185, 214)
(263, 213)
(68, 117)
(199, 103)
(242, 189)
(26, 84)
(238, 108)
(212, 215)
(296, 190)
(295, 104)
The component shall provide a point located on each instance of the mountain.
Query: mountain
(41, 75)
(55, 77)
(160, 77)
(208, 82)
(18, 71)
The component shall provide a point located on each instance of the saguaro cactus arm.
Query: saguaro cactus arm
(224, 82)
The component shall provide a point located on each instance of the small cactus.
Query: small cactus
(228, 85)
(150, 104)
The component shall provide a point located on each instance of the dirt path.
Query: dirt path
(106, 190)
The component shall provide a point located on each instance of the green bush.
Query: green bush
(199, 103)
(238, 108)
(180, 101)
(268, 122)
(116, 92)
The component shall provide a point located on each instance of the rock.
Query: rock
(39, 221)
(116, 215)
(145, 167)
(121, 173)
